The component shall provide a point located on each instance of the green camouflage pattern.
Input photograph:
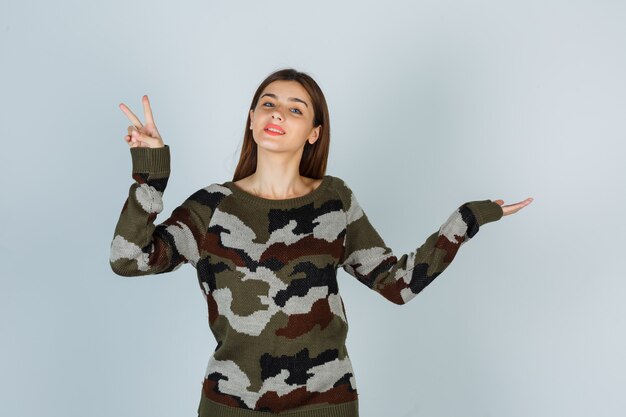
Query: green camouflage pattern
(268, 272)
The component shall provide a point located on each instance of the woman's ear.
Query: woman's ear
(251, 115)
(315, 134)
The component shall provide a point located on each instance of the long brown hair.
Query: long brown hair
(315, 156)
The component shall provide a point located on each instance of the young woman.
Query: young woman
(266, 247)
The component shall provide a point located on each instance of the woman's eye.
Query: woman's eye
(268, 104)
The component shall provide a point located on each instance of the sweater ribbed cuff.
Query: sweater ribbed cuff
(151, 160)
(486, 211)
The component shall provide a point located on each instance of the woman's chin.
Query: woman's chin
(270, 145)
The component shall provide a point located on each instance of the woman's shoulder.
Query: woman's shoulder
(340, 187)
(337, 181)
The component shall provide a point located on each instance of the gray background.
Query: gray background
(433, 103)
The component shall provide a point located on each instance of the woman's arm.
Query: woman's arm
(371, 261)
(141, 248)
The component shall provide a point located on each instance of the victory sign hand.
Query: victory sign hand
(139, 135)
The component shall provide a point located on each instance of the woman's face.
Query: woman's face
(287, 107)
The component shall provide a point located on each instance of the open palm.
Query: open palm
(513, 208)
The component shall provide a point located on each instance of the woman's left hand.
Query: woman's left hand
(513, 208)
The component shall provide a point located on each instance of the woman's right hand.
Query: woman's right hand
(140, 136)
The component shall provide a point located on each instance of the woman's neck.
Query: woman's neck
(278, 189)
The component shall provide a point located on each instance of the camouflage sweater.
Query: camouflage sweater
(268, 271)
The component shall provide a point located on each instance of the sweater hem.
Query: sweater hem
(210, 408)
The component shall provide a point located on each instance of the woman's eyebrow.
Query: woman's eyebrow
(290, 98)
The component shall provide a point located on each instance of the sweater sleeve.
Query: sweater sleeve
(141, 248)
(372, 262)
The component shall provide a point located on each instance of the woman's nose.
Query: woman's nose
(277, 115)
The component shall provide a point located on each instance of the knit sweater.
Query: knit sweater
(268, 271)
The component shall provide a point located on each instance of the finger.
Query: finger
(514, 208)
(144, 139)
(147, 110)
(136, 130)
(523, 203)
(130, 141)
(520, 203)
(131, 116)
(136, 136)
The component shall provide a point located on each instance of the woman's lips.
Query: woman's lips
(276, 130)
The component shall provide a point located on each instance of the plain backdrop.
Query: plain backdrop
(432, 103)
